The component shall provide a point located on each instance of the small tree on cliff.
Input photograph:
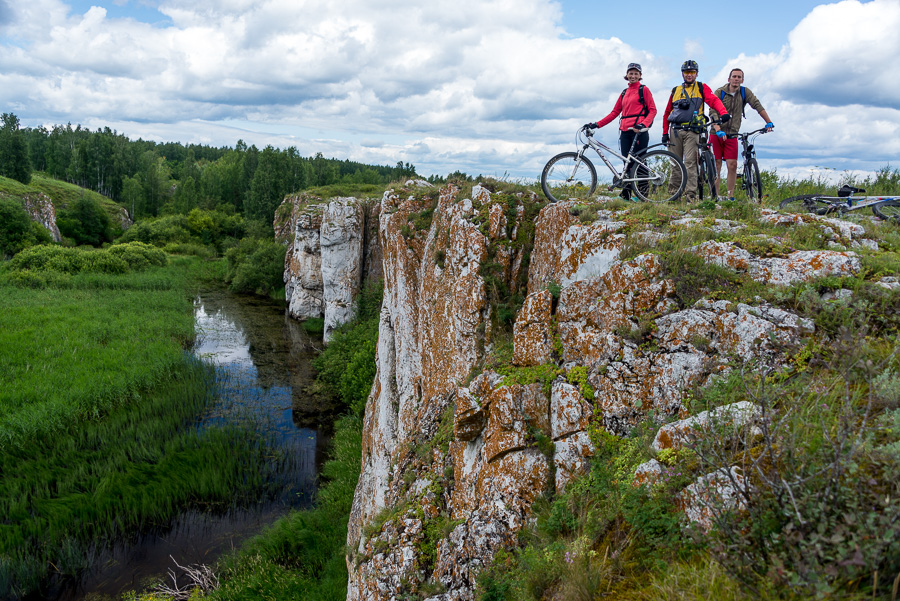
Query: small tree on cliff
(14, 161)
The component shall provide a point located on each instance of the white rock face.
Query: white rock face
(332, 251)
(341, 241)
(799, 266)
(621, 323)
(715, 492)
(303, 273)
(731, 417)
(40, 208)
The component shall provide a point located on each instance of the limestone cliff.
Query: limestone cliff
(457, 446)
(332, 251)
(40, 209)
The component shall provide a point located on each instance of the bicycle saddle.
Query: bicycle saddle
(846, 191)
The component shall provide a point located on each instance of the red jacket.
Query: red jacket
(708, 97)
(631, 108)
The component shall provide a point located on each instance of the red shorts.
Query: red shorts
(727, 147)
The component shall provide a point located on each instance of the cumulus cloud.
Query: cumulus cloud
(486, 87)
(833, 89)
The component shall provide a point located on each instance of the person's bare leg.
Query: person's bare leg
(719, 174)
(731, 165)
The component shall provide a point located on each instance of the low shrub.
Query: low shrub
(49, 258)
(17, 230)
(817, 513)
(116, 260)
(256, 266)
(138, 255)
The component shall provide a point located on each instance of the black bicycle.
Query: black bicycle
(706, 162)
(749, 174)
(884, 207)
(571, 175)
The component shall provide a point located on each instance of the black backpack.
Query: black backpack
(743, 100)
(645, 111)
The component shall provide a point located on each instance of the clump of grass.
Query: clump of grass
(77, 351)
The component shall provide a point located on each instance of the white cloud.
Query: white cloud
(833, 90)
(482, 86)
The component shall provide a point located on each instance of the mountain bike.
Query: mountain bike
(571, 175)
(706, 162)
(749, 174)
(884, 207)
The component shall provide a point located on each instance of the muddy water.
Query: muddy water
(263, 366)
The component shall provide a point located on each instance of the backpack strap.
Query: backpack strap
(645, 110)
(743, 100)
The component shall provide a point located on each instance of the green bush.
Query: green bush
(17, 230)
(346, 369)
(159, 231)
(138, 255)
(85, 222)
(118, 259)
(49, 258)
(103, 261)
(256, 267)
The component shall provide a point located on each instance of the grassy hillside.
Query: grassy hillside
(62, 194)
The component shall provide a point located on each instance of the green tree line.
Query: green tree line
(151, 179)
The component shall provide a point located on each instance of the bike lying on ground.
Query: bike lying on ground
(571, 175)
(884, 207)
(749, 174)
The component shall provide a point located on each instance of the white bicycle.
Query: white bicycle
(571, 175)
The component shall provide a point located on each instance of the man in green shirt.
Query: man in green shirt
(734, 96)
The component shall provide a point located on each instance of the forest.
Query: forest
(151, 179)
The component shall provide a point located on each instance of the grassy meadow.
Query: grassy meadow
(98, 400)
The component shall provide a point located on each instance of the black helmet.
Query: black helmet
(690, 65)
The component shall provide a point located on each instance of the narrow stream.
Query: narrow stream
(263, 366)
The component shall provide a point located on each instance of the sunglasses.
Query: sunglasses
(689, 72)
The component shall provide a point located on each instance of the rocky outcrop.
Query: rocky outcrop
(566, 250)
(798, 266)
(40, 209)
(454, 453)
(331, 253)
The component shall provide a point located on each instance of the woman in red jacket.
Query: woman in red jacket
(637, 110)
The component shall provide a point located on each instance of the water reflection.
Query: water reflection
(263, 366)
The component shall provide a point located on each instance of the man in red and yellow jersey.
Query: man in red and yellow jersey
(685, 105)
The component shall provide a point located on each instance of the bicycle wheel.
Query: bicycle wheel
(568, 176)
(654, 172)
(707, 175)
(889, 211)
(808, 203)
(752, 183)
(701, 177)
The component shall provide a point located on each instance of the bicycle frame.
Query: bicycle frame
(845, 204)
(648, 174)
(589, 142)
(748, 144)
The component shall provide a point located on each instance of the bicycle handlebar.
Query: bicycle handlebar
(761, 130)
(706, 123)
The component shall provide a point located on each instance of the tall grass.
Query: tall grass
(98, 406)
(77, 350)
(885, 181)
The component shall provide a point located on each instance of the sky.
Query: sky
(492, 87)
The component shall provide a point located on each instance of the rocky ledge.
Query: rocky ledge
(460, 435)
